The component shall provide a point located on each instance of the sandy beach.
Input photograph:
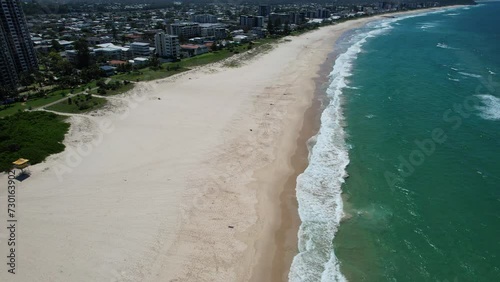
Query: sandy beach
(190, 178)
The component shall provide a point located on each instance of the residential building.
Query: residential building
(264, 10)
(108, 70)
(113, 52)
(189, 50)
(249, 22)
(99, 40)
(167, 45)
(140, 49)
(71, 55)
(67, 45)
(217, 31)
(297, 18)
(185, 30)
(279, 19)
(109, 53)
(322, 13)
(139, 61)
(117, 63)
(310, 15)
(241, 38)
(17, 52)
(204, 18)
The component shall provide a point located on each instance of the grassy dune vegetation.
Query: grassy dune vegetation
(30, 135)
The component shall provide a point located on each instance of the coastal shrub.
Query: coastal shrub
(30, 135)
(102, 91)
(84, 106)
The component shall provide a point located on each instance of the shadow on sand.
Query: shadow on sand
(23, 176)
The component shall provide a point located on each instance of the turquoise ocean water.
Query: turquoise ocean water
(403, 182)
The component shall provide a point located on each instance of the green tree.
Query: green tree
(270, 26)
(56, 46)
(114, 31)
(154, 63)
(6, 92)
(286, 28)
(159, 25)
(82, 53)
(26, 78)
(277, 25)
(213, 48)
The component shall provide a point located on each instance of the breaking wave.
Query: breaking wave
(490, 108)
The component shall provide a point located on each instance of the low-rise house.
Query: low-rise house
(189, 50)
(241, 38)
(67, 45)
(108, 70)
(109, 53)
(99, 40)
(116, 63)
(113, 52)
(139, 61)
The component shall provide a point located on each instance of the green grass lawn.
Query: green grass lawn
(79, 104)
(6, 110)
(89, 85)
(30, 135)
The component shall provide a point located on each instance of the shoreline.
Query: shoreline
(186, 184)
(290, 220)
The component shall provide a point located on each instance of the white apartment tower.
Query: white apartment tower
(167, 46)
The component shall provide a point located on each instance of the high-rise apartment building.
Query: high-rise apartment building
(251, 21)
(16, 48)
(167, 45)
(204, 18)
(264, 10)
(185, 30)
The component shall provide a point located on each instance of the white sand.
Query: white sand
(153, 197)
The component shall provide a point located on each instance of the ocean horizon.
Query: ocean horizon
(402, 181)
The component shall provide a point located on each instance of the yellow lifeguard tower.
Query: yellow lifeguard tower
(23, 165)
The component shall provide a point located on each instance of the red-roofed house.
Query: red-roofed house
(190, 50)
(116, 63)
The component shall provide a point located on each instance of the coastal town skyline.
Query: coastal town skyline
(117, 38)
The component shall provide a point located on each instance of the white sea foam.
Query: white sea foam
(444, 46)
(454, 79)
(469, 74)
(452, 14)
(319, 187)
(490, 108)
(492, 72)
(352, 87)
(427, 26)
